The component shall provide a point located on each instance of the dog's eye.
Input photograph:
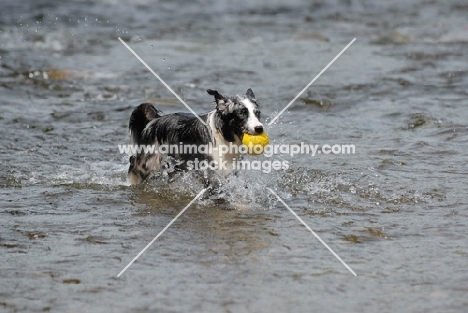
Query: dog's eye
(257, 114)
(243, 112)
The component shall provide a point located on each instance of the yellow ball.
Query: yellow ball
(255, 143)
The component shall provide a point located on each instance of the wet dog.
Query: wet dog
(225, 125)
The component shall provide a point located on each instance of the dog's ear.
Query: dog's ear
(221, 101)
(218, 97)
(250, 94)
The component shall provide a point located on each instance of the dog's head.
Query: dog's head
(238, 114)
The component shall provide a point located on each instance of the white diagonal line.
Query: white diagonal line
(311, 82)
(162, 81)
(313, 233)
(161, 232)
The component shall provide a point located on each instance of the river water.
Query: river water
(395, 211)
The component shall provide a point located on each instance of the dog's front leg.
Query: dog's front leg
(212, 182)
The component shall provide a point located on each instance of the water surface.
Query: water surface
(395, 211)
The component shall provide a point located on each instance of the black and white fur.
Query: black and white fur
(232, 117)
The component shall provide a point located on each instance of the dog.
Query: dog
(225, 125)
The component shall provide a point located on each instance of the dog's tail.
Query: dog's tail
(141, 116)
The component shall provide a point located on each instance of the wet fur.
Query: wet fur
(232, 117)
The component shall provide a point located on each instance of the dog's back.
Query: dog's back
(148, 127)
